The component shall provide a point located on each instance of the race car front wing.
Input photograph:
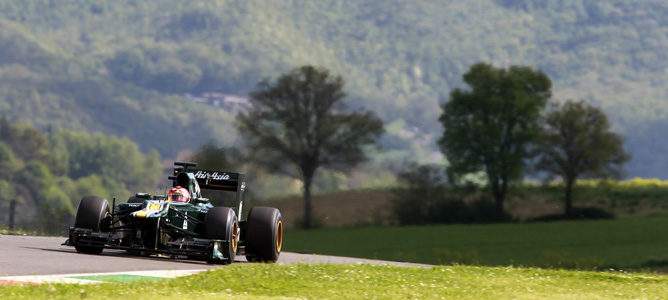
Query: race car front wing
(206, 249)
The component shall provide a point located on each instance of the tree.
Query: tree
(210, 156)
(116, 159)
(577, 141)
(299, 123)
(5, 127)
(491, 125)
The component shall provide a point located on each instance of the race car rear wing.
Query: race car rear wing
(224, 181)
(211, 180)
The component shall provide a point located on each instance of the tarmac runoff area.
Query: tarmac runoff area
(37, 260)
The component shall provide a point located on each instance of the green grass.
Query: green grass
(365, 282)
(636, 243)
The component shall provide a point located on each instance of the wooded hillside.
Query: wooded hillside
(122, 67)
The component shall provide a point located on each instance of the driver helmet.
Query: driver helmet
(178, 194)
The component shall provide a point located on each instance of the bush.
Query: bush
(578, 213)
(423, 197)
(426, 198)
(448, 209)
(483, 210)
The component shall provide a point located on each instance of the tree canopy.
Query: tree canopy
(299, 123)
(48, 173)
(491, 125)
(577, 141)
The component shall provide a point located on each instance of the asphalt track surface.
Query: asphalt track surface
(33, 255)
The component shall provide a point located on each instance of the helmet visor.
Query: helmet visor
(177, 198)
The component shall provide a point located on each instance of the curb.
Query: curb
(97, 278)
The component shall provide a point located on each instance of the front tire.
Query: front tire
(264, 234)
(221, 224)
(93, 214)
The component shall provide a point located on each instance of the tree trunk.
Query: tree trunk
(502, 197)
(568, 211)
(499, 196)
(308, 210)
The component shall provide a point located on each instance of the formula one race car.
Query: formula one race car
(181, 223)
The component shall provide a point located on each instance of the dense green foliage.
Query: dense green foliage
(120, 66)
(260, 281)
(577, 141)
(47, 174)
(491, 125)
(626, 243)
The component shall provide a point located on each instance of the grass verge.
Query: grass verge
(364, 282)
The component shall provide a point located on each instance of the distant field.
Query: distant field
(373, 207)
(637, 243)
(269, 281)
(351, 208)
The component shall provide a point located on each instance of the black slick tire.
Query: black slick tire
(221, 224)
(264, 234)
(93, 214)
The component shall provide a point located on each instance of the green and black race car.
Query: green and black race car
(188, 227)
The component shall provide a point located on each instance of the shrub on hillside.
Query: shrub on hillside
(426, 198)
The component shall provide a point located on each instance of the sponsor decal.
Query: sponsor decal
(151, 208)
(213, 176)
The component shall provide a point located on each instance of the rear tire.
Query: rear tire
(221, 224)
(93, 214)
(264, 234)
